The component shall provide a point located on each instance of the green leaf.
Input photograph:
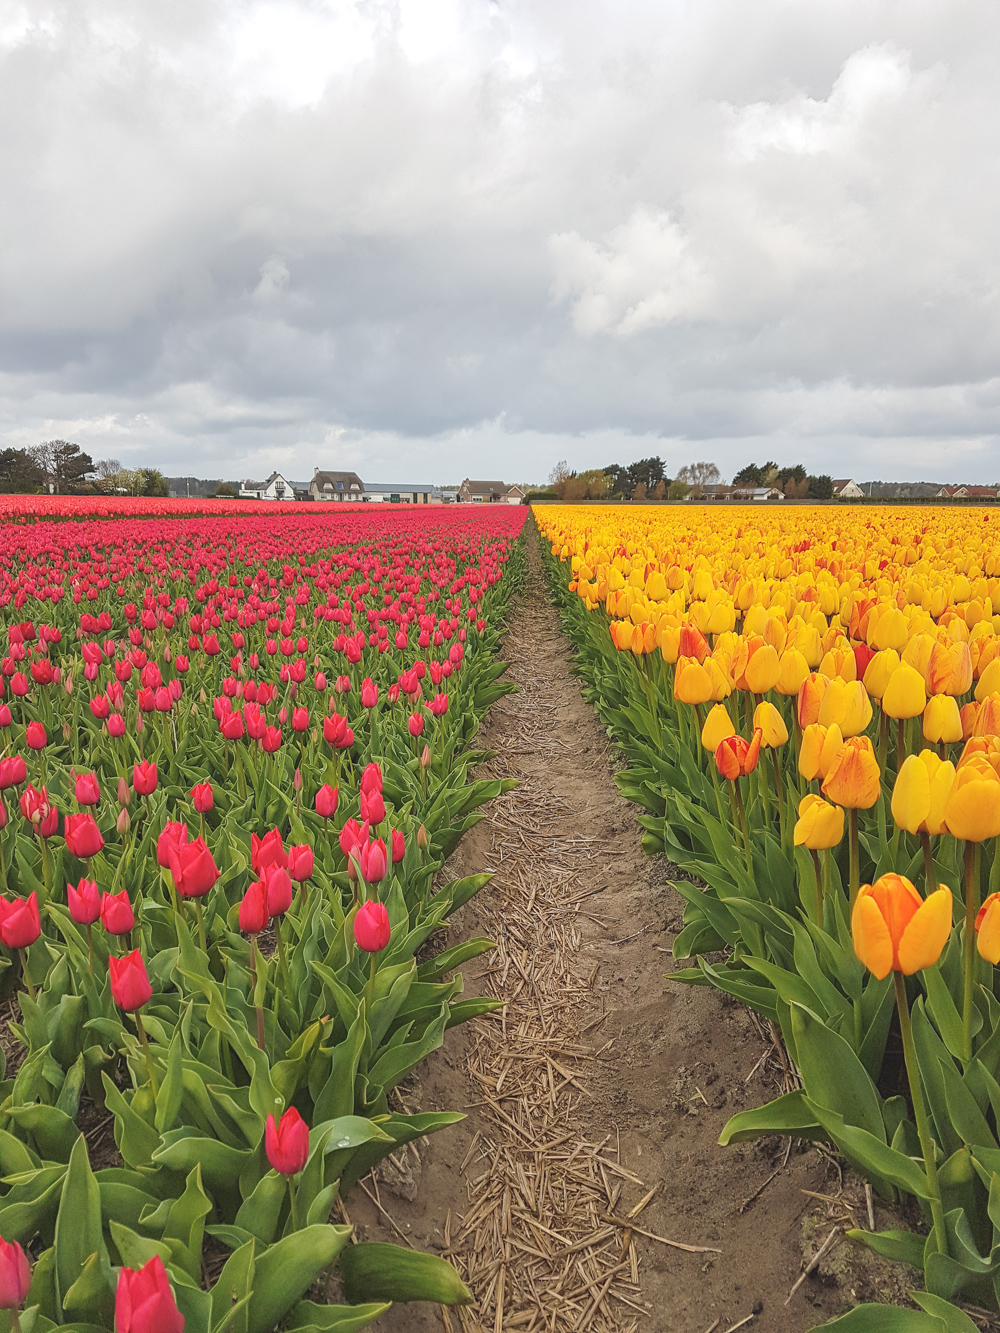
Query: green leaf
(137, 1140)
(168, 1098)
(955, 1320)
(833, 1075)
(310, 1318)
(785, 1115)
(78, 1237)
(903, 1247)
(286, 1271)
(873, 1155)
(53, 1131)
(233, 1289)
(868, 1318)
(376, 1271)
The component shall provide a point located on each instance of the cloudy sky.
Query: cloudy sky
(433, 238)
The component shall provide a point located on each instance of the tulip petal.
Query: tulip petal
(927, 933)
(872, 942)
(988, 938)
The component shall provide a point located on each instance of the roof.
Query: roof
(400, 486)
(843, 481)
(321, 478)
(486, 487)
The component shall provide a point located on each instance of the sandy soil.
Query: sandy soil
(668, 1066)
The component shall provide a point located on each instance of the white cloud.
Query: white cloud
(455, 232)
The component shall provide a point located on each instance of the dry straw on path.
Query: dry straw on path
(544, 1242)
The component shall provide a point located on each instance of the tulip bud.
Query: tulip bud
(425, 758)
(287, 1143)
(423, 842)
(68, 682)
(123, 823)
(15, 1275)
(297, 780)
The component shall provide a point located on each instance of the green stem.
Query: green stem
(743, 826)
(370, 986)
(253, 994)
(920, 1115)
(900, 742)
(930, 879)
(883, 740)
(199, 913)
(969, 943)
(90, 947)
(282, 960)
(291, 1200)
(819, 887)
(24, 972)
(765, 792)
(779, 796)
(145, 1050)
(855, 849)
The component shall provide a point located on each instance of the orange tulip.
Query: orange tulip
(950, 669)
(810, 697)
(853, 780)
(986, 716)
(692, 643)
(972, 810)
(895, 930)
(969, 713)
(987, 746)
(736, 757)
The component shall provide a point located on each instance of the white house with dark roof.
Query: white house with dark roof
(345, 487)
(489, 492)
(845, 488)
(276, 487)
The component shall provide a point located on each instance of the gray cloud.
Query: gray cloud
(436, 236)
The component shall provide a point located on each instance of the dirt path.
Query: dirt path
(600, 1082)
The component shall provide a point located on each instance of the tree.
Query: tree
(19, 473)
(617, 477)
(789, 474)
(640, 491)
(751, 475)
(559, 476)
(648, 471)
(698, 476)
(795, 489)
(820, 488)
(65, 465)
(659, 490)
(678, 490)
(226, 492)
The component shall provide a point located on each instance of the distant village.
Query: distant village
(347, 487)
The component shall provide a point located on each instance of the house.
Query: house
(276, 487)
(716, 491)
(967, 493)
(846, 489)
(342, 486)
(489, 492)
(401, 493)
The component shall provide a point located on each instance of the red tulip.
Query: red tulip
(736, 757)
(372, 807)
(373, 862)
(173, 835)
(253, 909)
(231, 726)
(352, 835)
(144, 1301)
(369, 693)
(267, 851)
(84, 902)
(439, 705)
(371, 927)
(287, 1143)
(83, 837)
(87, 790)
(20, 924)
(271, 740)
(371, 779)
(203, 797)
(144, 778)
(416, 724)
(327, 799)
(13, 771)
(117, 916)
(35, 736)
(300, 719)
(116, 725)
(398, 846)
(278, 887)
(193, 868)
(300, 862)
(15, 1275)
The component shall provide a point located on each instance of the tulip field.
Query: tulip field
(235, 749)
(809, 701)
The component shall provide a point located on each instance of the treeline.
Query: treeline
(646, 479)
(57, 467)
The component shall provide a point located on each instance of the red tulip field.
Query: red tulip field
(388, 938)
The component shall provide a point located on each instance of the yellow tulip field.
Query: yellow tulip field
(809, 701)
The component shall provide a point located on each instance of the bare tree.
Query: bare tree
(559, 476)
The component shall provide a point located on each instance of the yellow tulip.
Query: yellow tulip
(848, 705)
(988, 929)
(889, 631)
(989, 681)
(922, 787)
(820, 746)
(854, 780)
(810, 699)
(794, 671)
(942, 720)
(771, 723)
(895, 930)
(905, 695)
(880, 671)
(718, 728)
(692, 683)
(972, 808)
(840, 663)
(763, 669)
(819, 824)
(950, 669)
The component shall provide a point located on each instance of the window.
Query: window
(340, 485)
